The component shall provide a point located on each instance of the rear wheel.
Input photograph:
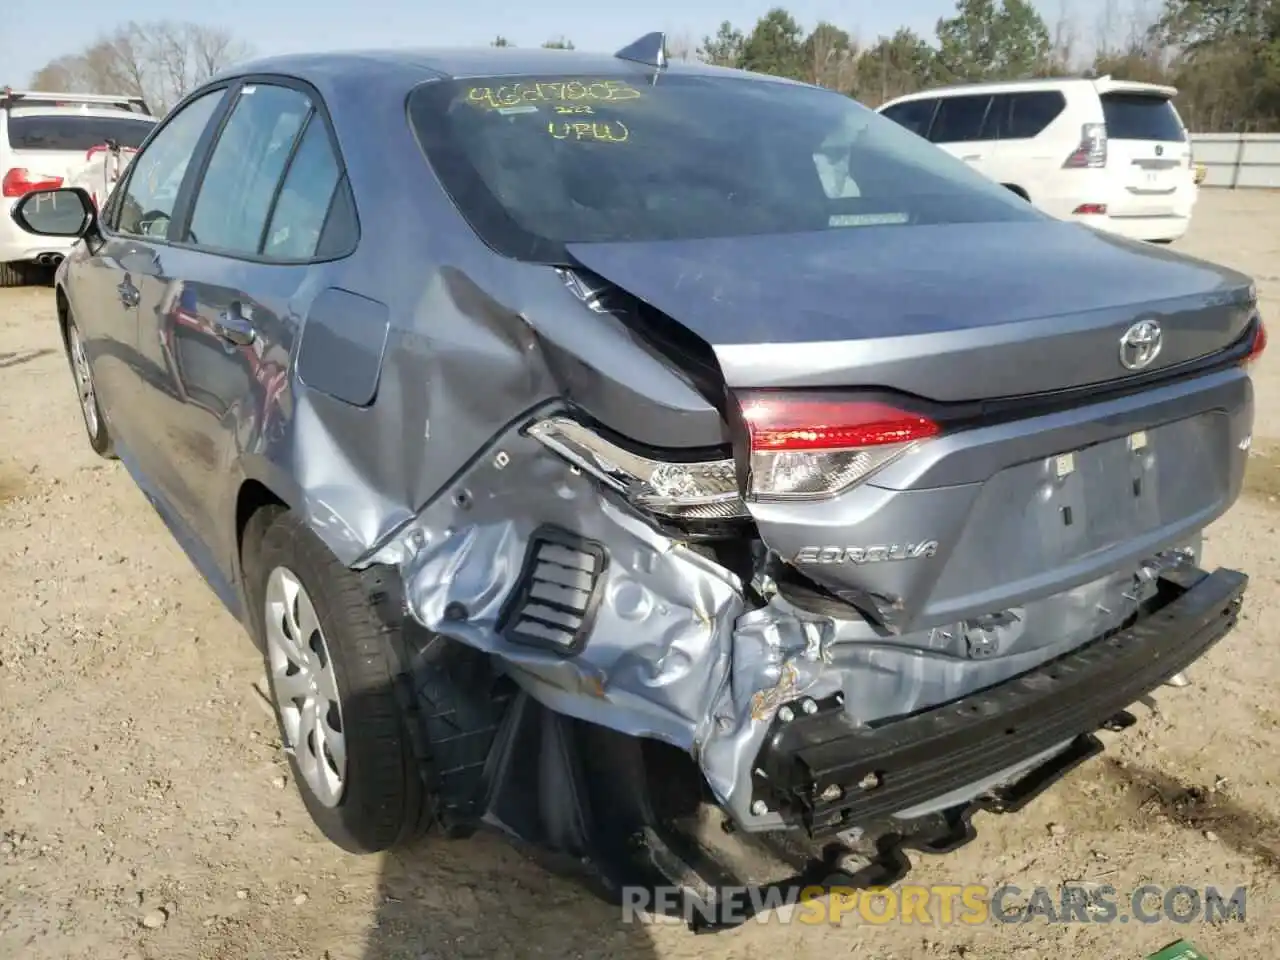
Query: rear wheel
(371, 707)
(95, 425)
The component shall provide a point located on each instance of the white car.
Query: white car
(51, 140)
(1108, 153)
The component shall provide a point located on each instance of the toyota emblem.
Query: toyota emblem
(1141, 344)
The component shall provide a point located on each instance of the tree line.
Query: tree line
(1222, 55)
(159, 61)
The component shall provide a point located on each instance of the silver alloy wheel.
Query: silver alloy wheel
(84, 381)
(305, 687)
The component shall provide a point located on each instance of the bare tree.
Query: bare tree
(171, 56)
(1062, 54)
(213, 50)
(1140, 22)
(682, 46)
(118, 63)
(1104, 37)
(64, 74)
(159, 61)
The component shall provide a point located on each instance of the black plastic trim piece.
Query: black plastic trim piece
(513, 610)
(829, 775)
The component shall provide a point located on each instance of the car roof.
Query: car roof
(99, 112)
(1104, 84)
(993, 86)
(464, 62)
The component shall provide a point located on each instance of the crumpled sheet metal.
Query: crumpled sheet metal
(782, 653)
(660, 645)
(673, 652)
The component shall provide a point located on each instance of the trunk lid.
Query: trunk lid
(947, 312)
(951, 545)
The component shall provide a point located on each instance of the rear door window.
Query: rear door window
(75, 133)
(1135, 116)
(245, 168)
(1029, 113)
(305, 197)
(960, 119)
(915, 115)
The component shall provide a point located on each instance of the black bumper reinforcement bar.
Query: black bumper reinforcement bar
(828, 774)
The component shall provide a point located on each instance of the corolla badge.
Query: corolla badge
(859, 555)
(1141, 344)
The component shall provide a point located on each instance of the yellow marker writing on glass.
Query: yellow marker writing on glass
(614, 131)
(554, 91)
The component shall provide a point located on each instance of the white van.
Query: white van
(1109, 153)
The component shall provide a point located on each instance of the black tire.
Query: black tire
(1015, 189)
(411, 702)
(95, 426)
(13, 275)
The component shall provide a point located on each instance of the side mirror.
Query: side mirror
(68, 212)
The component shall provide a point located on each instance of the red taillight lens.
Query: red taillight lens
(1259, 344)
(18, 182)
(814, 446)
(781, 422)
(1091, 209)
(1091, 152)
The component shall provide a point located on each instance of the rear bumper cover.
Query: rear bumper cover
(1170, 227)
(826, 774)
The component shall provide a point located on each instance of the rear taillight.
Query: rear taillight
(18, 182)
(1091, 152)
(805, 446)
(689, 490)
(1258, 346)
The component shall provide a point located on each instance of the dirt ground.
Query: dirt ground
(141, 779)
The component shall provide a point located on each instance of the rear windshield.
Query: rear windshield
(536, 162)
(36, 132)
(1133, 116)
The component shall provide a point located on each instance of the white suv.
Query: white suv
(1105, 152)
(46, 140)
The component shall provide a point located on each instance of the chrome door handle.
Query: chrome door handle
(234, 328)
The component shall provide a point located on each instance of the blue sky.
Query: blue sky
(329, 24)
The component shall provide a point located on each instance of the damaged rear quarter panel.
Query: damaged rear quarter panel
(660, 640)
(473, 342)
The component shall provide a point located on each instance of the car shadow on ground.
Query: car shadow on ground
(25, 356)
(479, 897)
(483, 895)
